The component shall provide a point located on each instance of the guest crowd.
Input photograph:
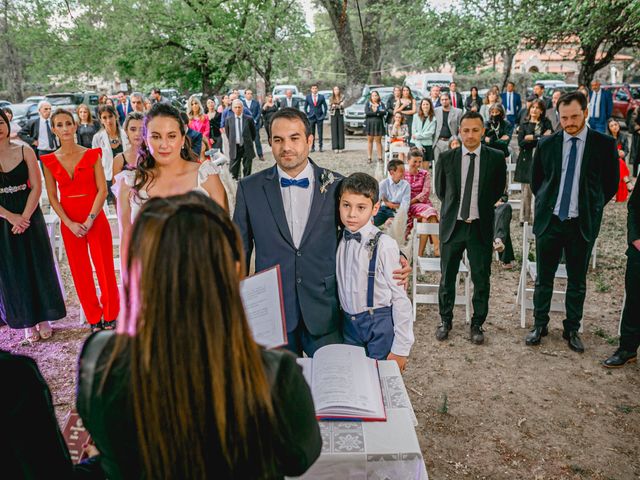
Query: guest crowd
(171, 383)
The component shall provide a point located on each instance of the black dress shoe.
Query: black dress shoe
(477, 335)
(619, 359)
(533, 337)
(442, 333)
(574, 341)
(321, 149)
(313, 149)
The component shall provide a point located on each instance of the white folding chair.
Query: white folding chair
(513, 187)
(529, 270)
(426, 292)
(594, 254)
(624, 301)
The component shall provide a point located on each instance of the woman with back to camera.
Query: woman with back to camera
(76, 172)
(30, 293)
(535, 126)
(336, 111)
(269, 108)
(214, 116)
(182, 390)
(112, 140)
(166, 166)
(133, 130)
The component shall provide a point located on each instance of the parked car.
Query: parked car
(354, 114)
(422, 82)
(33, 99)
(22, 112)
(5, 103)
(280, 90)
(626, 97)
(70, 101)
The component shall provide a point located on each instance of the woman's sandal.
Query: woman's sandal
(96, 326)
(45, 330)
(31, 335)
(109, 325)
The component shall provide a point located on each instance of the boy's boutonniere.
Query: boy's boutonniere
(326, 179)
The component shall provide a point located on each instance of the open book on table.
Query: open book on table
(345, 384)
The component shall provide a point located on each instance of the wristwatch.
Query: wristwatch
(92, 216)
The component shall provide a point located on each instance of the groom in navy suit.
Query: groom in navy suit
(288, 213)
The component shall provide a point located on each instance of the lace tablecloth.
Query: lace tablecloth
(373, 450)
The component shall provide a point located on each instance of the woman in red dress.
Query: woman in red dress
(77, 172)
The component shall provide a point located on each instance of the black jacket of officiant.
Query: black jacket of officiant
(107, 413)
(31, 444)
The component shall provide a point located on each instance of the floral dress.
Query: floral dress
(420, 184)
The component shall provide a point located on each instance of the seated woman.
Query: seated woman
(420, 206)
(181, 390)
(625, 186)
(497, 131)
(399, 131)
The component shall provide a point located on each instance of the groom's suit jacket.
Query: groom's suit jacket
(308, 272)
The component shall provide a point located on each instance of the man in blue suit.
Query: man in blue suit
(256, 113)
(315, 106)
(288, 213)
(600, 107)
(512, 103)
(123, 107)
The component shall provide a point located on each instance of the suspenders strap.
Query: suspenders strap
(371, 275)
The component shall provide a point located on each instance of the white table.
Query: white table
(373, 450)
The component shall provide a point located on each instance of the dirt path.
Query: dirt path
(497, 411)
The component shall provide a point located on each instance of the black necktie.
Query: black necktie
(352, 236)
(50, 137)
(468, 186)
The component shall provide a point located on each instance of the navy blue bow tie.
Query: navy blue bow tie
(292, 182)
(352, 236)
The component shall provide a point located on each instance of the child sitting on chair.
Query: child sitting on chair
(377, 312)
(395, 193)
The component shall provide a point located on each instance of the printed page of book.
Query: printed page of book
(262, 299)
(345, 383)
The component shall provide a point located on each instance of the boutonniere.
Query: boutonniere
(326, 179)
(371, 244)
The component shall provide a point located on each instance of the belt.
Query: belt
(444, 138)
(469, 221)
(14, 189)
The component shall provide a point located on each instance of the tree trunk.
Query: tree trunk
(356, 75)
(587, 66)
(13, 62)
(508, 55)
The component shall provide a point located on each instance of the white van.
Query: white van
(422, 82)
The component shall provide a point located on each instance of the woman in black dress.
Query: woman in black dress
(30, 292)
(634, 129)
(182, 390)
(374, 124)
(269, 108)
(407, 106)
(215, 136)
(336, 111)
(87, 126)
(474, 101)
(535, 125)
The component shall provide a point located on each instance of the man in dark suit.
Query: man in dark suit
(37, 132)
(289, 101)
(315, 106)
(123, 107)
(455, 96)
(600, 107)
(627, 351)
(575, 173)
(288, 213)
(512, 103)
(552, 114)
(241, 133)
(469, 180)
(538, 91)
(256, 113)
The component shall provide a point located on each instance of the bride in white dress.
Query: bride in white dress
(166, 167)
